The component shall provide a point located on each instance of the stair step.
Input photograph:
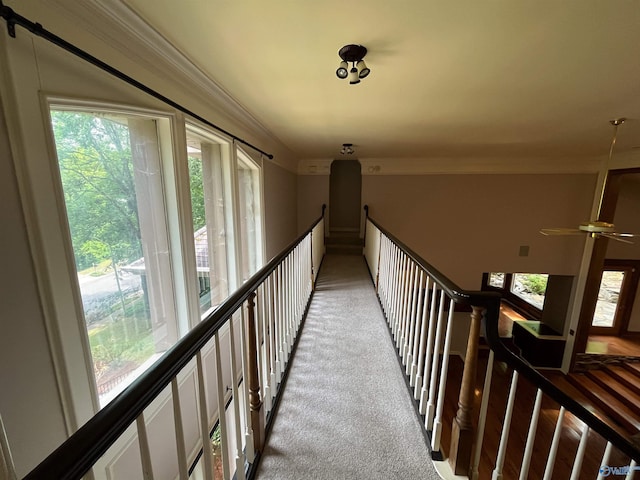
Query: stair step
(633, 368)
(623, 393)
(607, 402)
(625, 377)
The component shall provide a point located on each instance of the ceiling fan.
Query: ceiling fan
(598, 228)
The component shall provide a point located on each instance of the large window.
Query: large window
(211, 205)
(110, 168)
(122, 194)
(250, 213)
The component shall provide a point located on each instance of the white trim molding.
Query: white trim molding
(119, 26)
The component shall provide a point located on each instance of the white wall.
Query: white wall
(469, 224)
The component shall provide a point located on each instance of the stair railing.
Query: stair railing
(419, 303)
(243, 374)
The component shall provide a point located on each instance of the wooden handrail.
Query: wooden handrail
(73, 458)
(490, 309)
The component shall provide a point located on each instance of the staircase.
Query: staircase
(614, 390)
(344, 242)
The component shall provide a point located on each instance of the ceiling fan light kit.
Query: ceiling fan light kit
(598, 228)
(354, 55)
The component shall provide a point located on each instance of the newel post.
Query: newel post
(462, 435)
(255, 402)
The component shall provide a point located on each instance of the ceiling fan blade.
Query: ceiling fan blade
(561, 231)
(620, 237)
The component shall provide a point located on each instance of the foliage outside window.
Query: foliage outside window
(524, 291)
(110, 169)
(531, 287)
(496, 280)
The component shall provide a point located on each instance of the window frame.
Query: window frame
(519, 304)
(192, 127)
(72, 330)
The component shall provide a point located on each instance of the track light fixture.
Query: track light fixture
(347, 148)
(352, 54)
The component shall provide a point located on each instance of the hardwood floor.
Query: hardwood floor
(525, 396)
(609, 345)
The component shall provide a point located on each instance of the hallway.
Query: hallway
(345, 412)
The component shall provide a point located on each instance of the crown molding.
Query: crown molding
(120, 27)
(477, 166)
(433, 166)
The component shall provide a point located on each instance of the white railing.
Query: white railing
(201, 410)
(418, 302)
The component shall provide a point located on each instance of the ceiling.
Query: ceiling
(449, 80)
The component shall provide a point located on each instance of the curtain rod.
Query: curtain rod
(13, 19)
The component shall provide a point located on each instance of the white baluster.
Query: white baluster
(281, 324)
(482, 418)
(415, 298)
(437, 422)
(236, 402)
(145, 453)
(506, 426)
(431, 404)
(605, 460)
(406, 317)
(632, 470)
(222, 418)
(553, 450)
(266, 349)
(531, 437)
(582, 447)
(273, 339)
(428, 357)
(203, 413)
(287, 304)
(412, 364)
(382, 274)
(248, 426)
(401, 301)
(394, 282)
(416, 376)
(179, 430)
(397, 288)
(7, 467)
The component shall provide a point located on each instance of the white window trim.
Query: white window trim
(73, 350)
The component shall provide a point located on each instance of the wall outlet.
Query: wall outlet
(524, 251)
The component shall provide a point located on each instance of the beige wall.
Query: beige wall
(26, 371)
(280, 208)
(313, 192)
(469, 224)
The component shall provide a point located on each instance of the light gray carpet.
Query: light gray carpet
(345, 412)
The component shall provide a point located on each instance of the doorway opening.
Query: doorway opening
(345, 202)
